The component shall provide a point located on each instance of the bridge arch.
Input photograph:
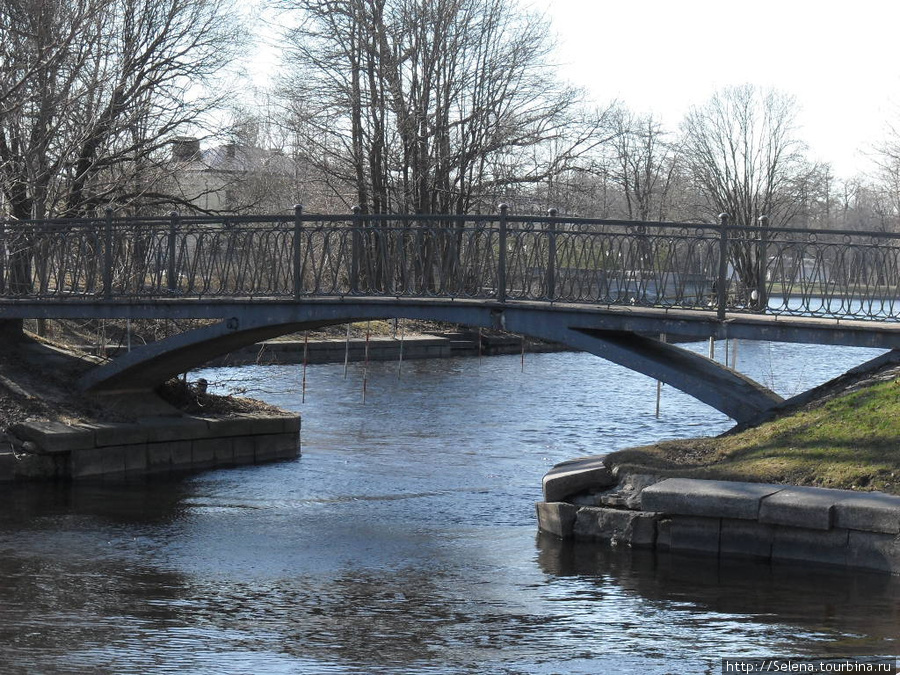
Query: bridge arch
(607, 336)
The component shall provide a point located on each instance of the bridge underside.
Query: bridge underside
(619, 336)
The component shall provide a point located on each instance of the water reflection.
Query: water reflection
(835, 613)
(403, 540)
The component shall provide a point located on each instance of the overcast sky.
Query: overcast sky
(841, 60)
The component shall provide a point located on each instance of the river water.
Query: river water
(404, 541)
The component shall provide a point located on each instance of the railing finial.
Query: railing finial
(553, 213)
(724, 218)
(504, 208)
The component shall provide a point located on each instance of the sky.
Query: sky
(839, 59)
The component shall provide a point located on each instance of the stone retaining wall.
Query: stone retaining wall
(380, 348)
(47, 450)
(586, 500)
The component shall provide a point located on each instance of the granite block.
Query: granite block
(805, 507)
(570, 478)
(556, 518)
(869, 512)
(707, 498)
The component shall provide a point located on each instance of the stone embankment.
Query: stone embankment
(383, 348)
(155, 445)
(587, 500)
(51, 430)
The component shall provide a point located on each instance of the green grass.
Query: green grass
(849, 442)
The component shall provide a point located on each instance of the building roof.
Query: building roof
(232, 158)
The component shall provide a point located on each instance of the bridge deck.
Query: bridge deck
(677, 323)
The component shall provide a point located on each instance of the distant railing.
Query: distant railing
(710, 267)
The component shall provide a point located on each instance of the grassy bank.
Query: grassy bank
(850, 440)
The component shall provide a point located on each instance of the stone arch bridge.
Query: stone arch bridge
(607, 287)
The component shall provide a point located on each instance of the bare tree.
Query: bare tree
(95, 89)
(742, 150)
(886, 181)
(430, 106)
(644, 165)
(865, 204)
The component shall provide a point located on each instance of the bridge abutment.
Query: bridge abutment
(151, 446)
(54, 431)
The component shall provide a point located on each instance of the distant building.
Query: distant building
(233, 178)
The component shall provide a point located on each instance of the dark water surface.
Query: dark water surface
(404, 541)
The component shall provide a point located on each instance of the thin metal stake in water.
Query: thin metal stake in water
(523, 353)
(659, 384)
(128, 332)
(305, 363)
(734, 355)
(479, 347)
(346, 351)
(366, 363)
(727, 350)
(400, 362)
(712, 348)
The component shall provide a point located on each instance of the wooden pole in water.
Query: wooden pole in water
(523, 353)
(305, 362)
(662, 338)
(712, 348)
(346, 351)
(400, 361)
(366, 363)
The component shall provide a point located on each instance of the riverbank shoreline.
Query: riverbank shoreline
(53, 431)
(590, 500)
(814, 483)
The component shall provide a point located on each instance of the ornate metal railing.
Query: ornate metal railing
(711, 267)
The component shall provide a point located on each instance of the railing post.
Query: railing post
(762, 258)
(108, 254)
(501, 262)
(171, 280)
(722, 282)
(551, 256)
(2, 257)
(298, 250)
(355, 250)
